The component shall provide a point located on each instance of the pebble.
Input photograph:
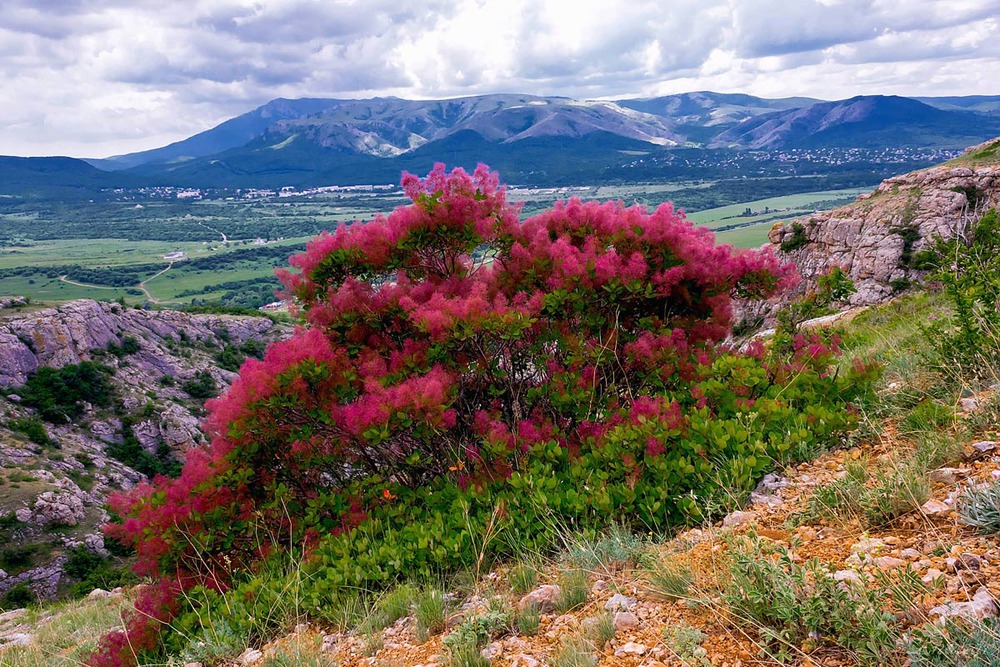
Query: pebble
(631, 648)
(619, 602)
(969, 404)
(492, 651)
(249, 656)
(935, 508)
(625, 620)
(544, 597)
(949, 476)
(981, 606)
(964, 562)
(889, 562)
(931, 575)
(910, 554)
(599, 586)
(738, 518)
(524, 660)
(984, 446)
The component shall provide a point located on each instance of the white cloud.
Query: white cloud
(97, 77)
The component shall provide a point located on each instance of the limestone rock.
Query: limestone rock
(619, 602)
(544, 597)
(865, 238)
(935, 508)
(249, 656)
(981, 606)
(738, 518)
(984, 446)
(625, 620)
(949, 476)
(61, 509)
(631, 648)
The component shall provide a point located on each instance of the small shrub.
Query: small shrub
(31, 427)
(667, 580)
(797, 240)
(217, 643)
(685, 641)
(574, 589)
(599, 629)
(928, 415)
(300, 652)
(795, 604)
(525, 621)
(465, 654)
(523, 577)
(967, 644)
(17, 596)
(979, 507)
(466, 641)
(59, 393)
(898, 490)
(577, 651)
(396, 604)
(613, 550)
(201, 386)
(430, 611)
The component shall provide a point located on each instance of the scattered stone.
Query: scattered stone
(766, 492)
(599, 586)
(249, 656)
(981, 606)
(931, 576)
(619, 602)
(99, 593)
(492, 651)
(12, 615)
(984, 446)
(935, 508)
(968, 404)
(949, 476)
(192, 664)
(738, 518)
(15, 639)
(889, 562)
(3, 575)
(868, 546)
(910, 554)
(60, 509)
(964, 562)
(850, 576)
(631, 648)
(524, 660)
(625, 620)
(14, 398)
(544, 597)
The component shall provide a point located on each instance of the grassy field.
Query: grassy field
(205, 263)
(750, 231)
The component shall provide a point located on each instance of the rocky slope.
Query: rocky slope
(53, 488)
(877, 238)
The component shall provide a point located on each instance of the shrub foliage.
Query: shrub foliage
(459, 374)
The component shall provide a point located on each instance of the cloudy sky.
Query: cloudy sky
(93, 78)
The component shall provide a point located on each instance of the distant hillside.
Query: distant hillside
(24, 176)
(230, 134)
(860, 122)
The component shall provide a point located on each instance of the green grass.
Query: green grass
(64, 634)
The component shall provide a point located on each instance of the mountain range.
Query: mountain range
(531, 139)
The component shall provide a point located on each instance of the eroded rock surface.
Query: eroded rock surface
(876, 238)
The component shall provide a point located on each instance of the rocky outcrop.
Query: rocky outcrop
(877, 238)
(59, 485)
(74, 331)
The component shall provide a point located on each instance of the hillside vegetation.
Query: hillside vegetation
(476, 408)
